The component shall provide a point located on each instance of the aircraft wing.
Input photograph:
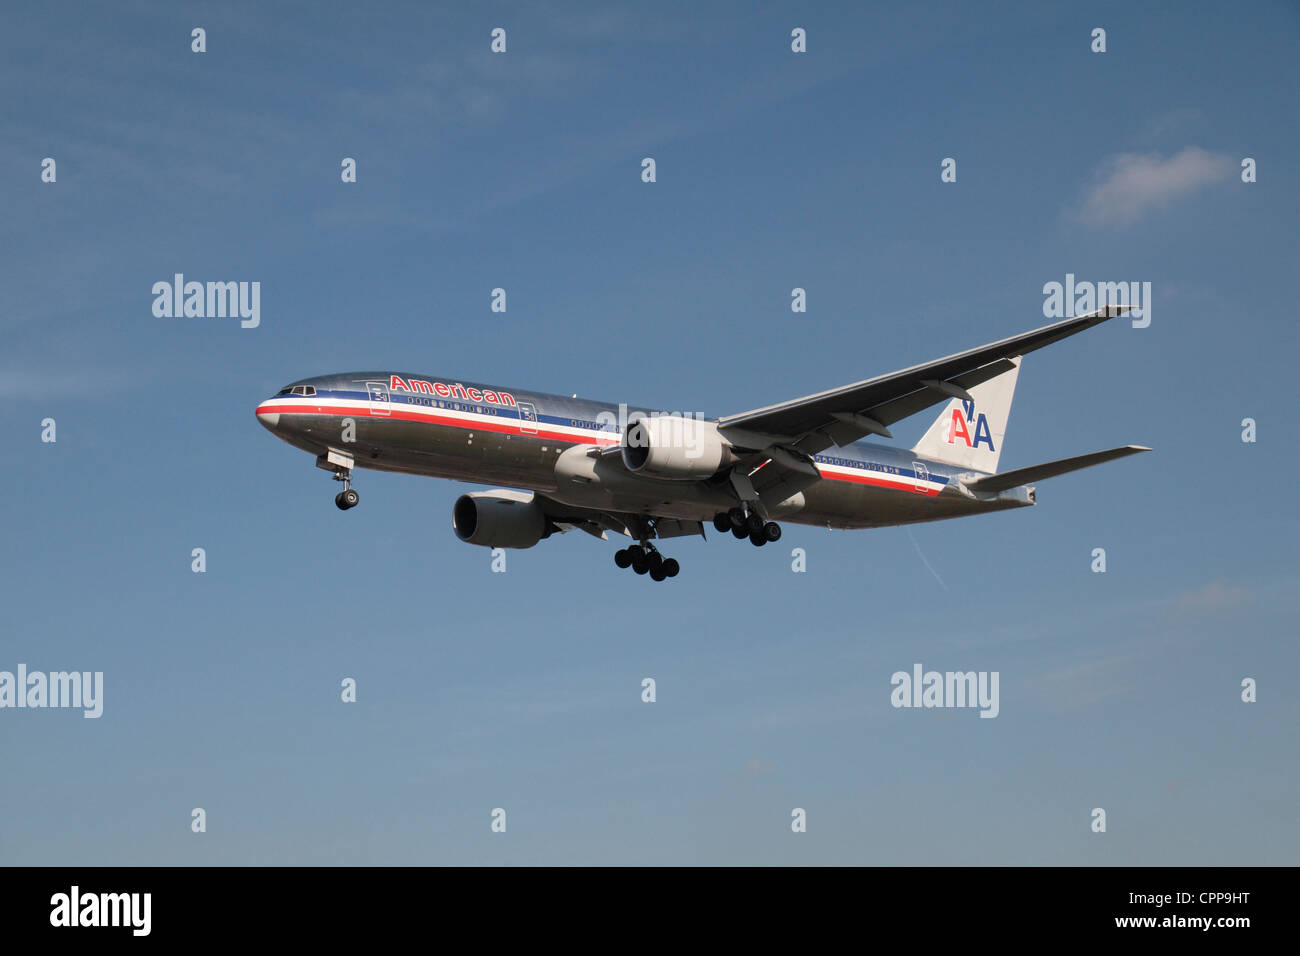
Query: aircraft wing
(843, 415)
(597, 523)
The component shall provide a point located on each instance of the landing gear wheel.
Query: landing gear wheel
(657, 573)
(670, 567)
(754, 523)
(736, 517)
(635, 552)
(347, 498)
(641, 564)
(740, 532)
(655, 560)
(722, 522)
(622, 558)
(757, 539)
(772, 531)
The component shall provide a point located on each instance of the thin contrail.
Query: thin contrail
(923, 561)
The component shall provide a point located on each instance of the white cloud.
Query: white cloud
(1131, 184)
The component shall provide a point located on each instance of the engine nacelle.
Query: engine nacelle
(499, 519)
(674, 447)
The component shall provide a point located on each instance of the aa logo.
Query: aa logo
(960, 427)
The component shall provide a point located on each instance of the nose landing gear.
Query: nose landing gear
(348, 497)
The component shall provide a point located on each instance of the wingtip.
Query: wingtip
(1111, 312)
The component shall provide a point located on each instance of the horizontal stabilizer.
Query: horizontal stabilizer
(1050, 469)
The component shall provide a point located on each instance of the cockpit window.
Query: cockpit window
(285, 391)
(309, 390)
(304, 390)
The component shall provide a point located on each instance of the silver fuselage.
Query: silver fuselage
(468, 431)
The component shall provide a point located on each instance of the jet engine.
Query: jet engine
(674, 447)
(500, 518)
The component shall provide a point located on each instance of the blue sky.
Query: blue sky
(522, 690)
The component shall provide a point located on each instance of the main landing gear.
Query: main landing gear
(645, 558)
(747, 524)
(348, 497)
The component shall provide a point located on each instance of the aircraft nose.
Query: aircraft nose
(267, 417)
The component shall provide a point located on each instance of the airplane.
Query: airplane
(570, 463)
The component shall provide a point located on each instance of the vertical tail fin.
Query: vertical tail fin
(968, 434)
